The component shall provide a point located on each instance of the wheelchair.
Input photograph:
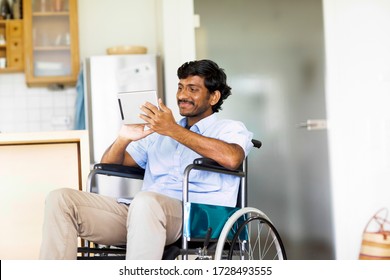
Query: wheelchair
(208, 231)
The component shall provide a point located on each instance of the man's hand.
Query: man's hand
(134, 132)
(117, 153)
(159, 120)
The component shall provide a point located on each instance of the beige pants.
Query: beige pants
(151, 222)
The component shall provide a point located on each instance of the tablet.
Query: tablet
(130, 103)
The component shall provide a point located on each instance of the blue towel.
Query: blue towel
(79, 120)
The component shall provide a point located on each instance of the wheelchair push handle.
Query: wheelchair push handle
(257, 143)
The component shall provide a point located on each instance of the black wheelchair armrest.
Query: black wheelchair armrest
(120, 170)
(116, 170)
(208, 163)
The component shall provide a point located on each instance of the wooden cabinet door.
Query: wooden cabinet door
(51, 42)
(27, 174)
(11, 45)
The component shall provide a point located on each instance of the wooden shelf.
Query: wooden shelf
(49, 14)
(52, 48)
(9, 70)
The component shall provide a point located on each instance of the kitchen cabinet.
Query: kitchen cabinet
(31, 166)
(51, 42)
(11, 46)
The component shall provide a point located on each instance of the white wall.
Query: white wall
(358, 85)
(177, 33)
(103, 24)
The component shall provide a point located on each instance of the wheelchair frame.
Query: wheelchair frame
(240, 213)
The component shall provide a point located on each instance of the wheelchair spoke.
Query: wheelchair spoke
(250, 235)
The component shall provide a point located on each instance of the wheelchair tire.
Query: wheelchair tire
(254, 238)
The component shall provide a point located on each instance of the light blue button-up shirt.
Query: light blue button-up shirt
(164, 161)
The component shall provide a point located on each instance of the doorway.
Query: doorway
(273, 54)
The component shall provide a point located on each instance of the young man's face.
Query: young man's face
(194, 100)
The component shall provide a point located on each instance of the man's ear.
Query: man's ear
(215, 96)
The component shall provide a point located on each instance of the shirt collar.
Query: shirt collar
(201, 125)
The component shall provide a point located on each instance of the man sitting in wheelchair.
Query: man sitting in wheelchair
(154, 218)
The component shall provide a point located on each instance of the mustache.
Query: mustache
(185, 101)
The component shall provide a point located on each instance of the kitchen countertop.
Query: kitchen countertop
(80, 137)
(45, 137)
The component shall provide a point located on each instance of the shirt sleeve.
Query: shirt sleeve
(138, 150)
(236, 132)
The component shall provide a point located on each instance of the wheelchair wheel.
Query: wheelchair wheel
(249, 235)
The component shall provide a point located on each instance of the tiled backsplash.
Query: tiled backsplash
(24, 109)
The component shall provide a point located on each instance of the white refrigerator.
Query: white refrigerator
(104, 77)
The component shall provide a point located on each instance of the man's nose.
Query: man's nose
(181, 94)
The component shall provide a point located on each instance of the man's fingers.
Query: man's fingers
(149, 106)
(163, 107)
(146, 118)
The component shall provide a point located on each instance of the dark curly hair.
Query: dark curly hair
(214, 77)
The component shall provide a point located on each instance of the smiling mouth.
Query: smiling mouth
(185, 103)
